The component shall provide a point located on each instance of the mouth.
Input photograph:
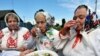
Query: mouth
(78, 24)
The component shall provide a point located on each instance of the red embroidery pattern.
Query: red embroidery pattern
(77, 39)
(11, 43)
(1, 34)
(27, 35)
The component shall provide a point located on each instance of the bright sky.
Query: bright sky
(57, 8)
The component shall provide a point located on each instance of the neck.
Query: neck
(80, 28)
(14, 30)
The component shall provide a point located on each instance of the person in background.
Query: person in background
(95, 19)
(78, 41)
(88, 21)
(14, 39)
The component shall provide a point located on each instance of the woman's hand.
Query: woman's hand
(25, 52)
(66, 28)
(33, 31)
(23, 48)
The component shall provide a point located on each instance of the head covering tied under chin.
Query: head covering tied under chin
(15, 17)
(48, 17)
(11, 14)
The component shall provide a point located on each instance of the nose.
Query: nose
(13, 23)
(39, 25)
(77, 19)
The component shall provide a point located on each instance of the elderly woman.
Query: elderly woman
(46, 37)
(14, 39)
(79, 41)
(44, 32)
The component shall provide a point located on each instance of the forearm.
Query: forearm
(26, 52)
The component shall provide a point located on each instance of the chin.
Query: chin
(79, 28)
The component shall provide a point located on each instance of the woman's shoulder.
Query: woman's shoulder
(97, 30)
(24, 29)
(95, 34)
(5, 30)
(53, 31)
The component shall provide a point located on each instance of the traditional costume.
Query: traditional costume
(83, 43)
(12, 41)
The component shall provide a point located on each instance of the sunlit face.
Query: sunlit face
(80, 16)
(12, 23)
(41, 22)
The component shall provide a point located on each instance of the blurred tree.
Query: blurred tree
(63, 22)
(29, 25)
(57, 26)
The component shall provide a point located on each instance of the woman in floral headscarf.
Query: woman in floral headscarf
(46, 37)
(44, 33)
(79, 41)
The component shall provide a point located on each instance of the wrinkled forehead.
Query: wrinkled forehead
(81, 11)
(40, 17)
(12, 17)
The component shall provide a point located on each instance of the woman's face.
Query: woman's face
(80, 16)
(41, 22)
(12, 23)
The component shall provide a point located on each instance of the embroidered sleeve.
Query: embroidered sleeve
(26, 35)
(28, 40)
